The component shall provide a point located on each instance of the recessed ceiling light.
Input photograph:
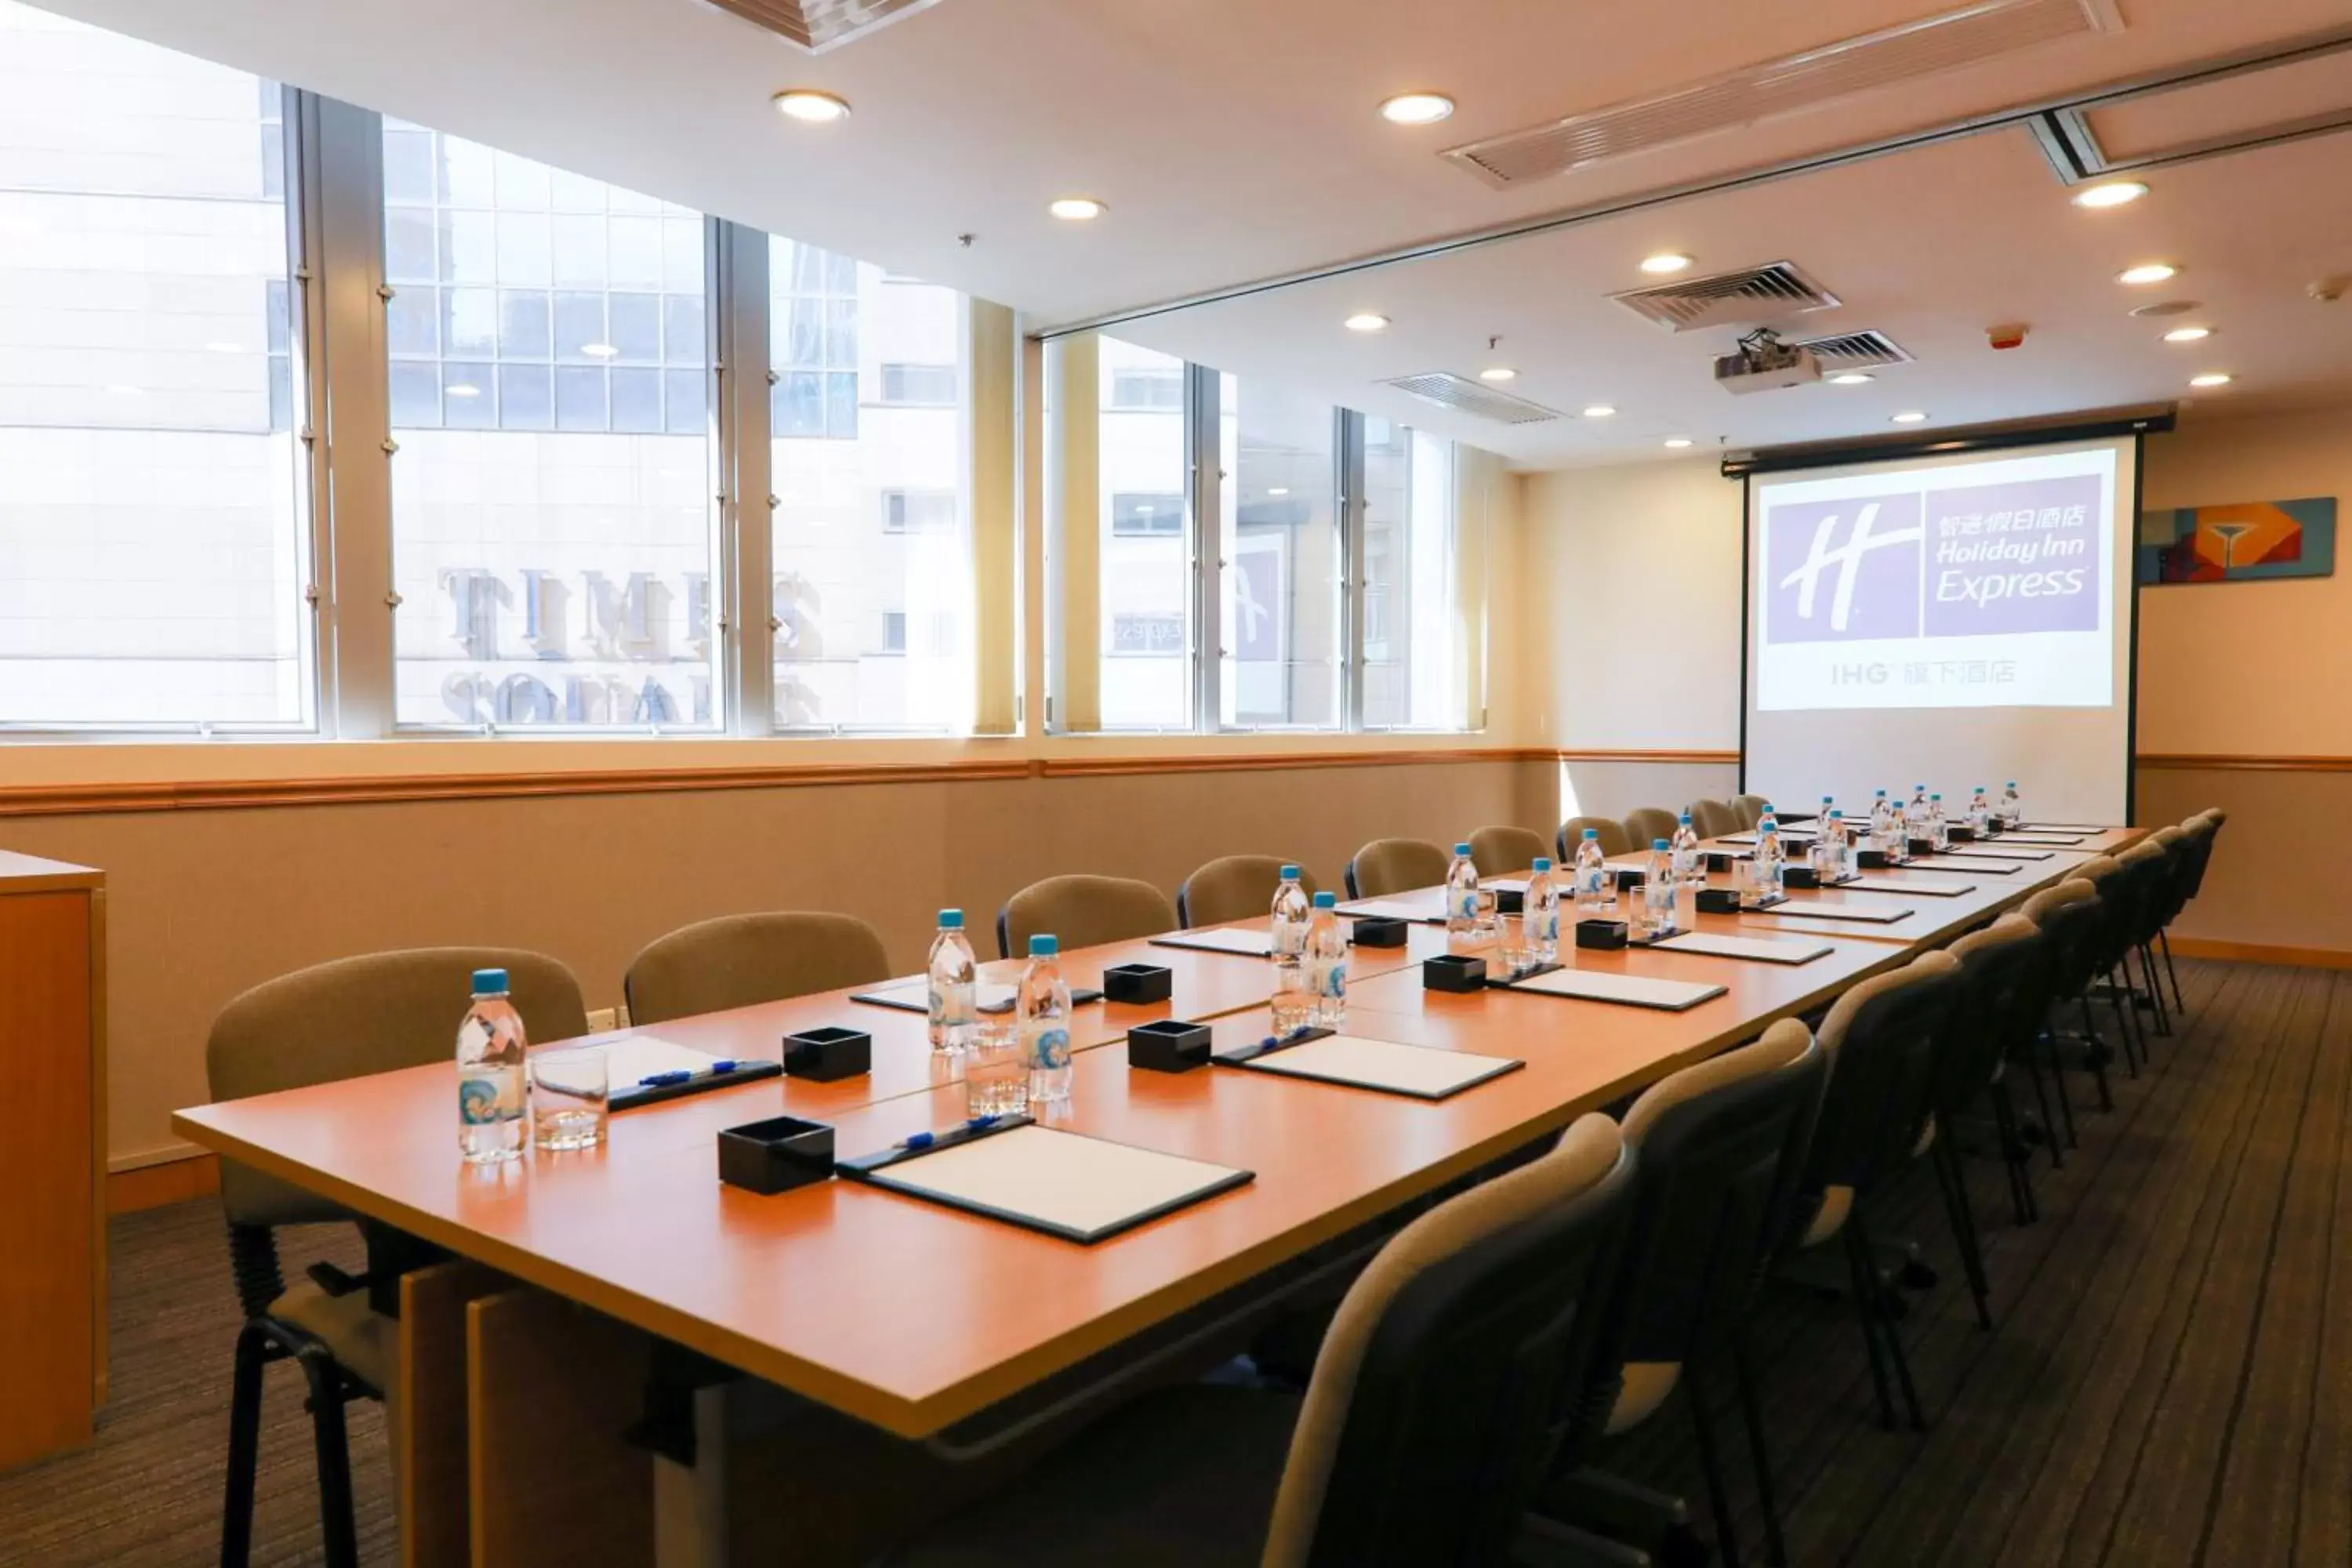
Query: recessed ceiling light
(1665, 261)
(806, 103)
(2211, 378)
(1416, 109)
(1499, 373)
(1598, 411)
(2147, 272)
(1277, 490)
(2114, 193)
(1851, 378)
(1077, 209)
(2187, 335)
(2166, 308)
(225, 348)
(1367, 322)
(1910, 417)
(1678, 442)
(600, 350)
(462, 389)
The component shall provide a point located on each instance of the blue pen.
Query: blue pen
(663, 1080)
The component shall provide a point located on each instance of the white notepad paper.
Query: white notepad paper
(1976, 867)
(1430, 906)
(915, 996)
(1918, 885)
(1823, 910)
(2041, 840)
(1248, 943)
(1081, 1187)
(2001, 852)
(1423, 1071)
(1763, 949)
(2056, 827)
(1633, 990)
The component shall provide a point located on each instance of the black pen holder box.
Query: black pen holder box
(828, 1053)
(1923, 846)
(1453, 972)
(1963, 835)
(775, 1155)
(1510, 901)
(1716, 860)
(1871, 859)
(1628, 878)
(1799, 877)
(1600, 935)
(1380, 931)
(1168, 1044)
(1137, 983)
(1718, 901)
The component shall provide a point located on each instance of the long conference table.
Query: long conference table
(617, 1358)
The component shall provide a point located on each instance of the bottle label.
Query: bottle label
(486, 1099)
(1049, 1049)
(1592, 882)
(951, 1005)
(1334, 978)
(1466, 904)
(1543, 925)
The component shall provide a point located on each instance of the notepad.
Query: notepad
(1064, 1184)
(1628, 990)
(1925, 890)
(2057, 828)
(2049, 840)
(1975, 868)
(915, 996)
(1429, 909)
(2004, 853)
(1763, 950)
(1823, 910)
(1423, 1072)
(1245, 943)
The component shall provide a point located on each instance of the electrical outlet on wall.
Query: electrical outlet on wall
(602, 1019)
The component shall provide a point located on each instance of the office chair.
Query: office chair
(1387, 866)
(740, 961)
(1234, 888)
(1084, 910)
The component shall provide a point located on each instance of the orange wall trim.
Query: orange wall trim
(2226, 763)
(154, 1186)
(1726, 758)
(1256, 761)
(2261, 952)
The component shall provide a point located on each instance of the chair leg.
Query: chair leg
(1718, 1497)
(2016, 1154)
(1862, 1271)
(335, 1520)
(2165, 943)
(244, 1444)
(2098, 1067)
(1892, 1330)
(1954, 1181)
(2120, 1001)
(1743, 1371)
(2155, 988)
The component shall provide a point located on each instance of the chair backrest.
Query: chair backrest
(1713, 818)
(353, 1016)
(2074, 918)
(1615, 839)
(1387, 866)
(1084, 910)
(1234, 888)
(1645, 825)
(1495, 850)
(2201, 832)
(1443, 1385)
(2147, 872)
(2114, 887)
(1717, 1149)
(1883, 1037)
(1750, 809)
(740, 961)
(2001, 993)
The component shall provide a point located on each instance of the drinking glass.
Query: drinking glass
(1511, 941)
(570, 1096)
(1294, 996)
(996, 1073)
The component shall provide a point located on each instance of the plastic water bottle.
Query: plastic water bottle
(954, 976)
(1915, 815)
(1980, 813)
(2011, 811)
(1539, 913)
(1686, 852)
(1044, 1003)
(1886, 830)
(1830, 850)
(1939, 830)
(1326, 963)
(1594, 883)
(491, 1122)
(1658, 890)
(1769, 863)
(1291, 913)
(1461, 894)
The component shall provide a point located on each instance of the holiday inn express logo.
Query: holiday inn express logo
(1844, 560)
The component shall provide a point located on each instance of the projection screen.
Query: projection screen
(1959, 620)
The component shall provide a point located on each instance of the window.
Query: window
(1410, 669)
(1279, 532)
(154, 526)
(1146, 568)
(835, 467)
(1146, 514)
(1146, 388)
(553, 532)
(919, 385)
(917, 512)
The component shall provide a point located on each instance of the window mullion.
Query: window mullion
(1350, 479)
(1205, 480)
(744, 457)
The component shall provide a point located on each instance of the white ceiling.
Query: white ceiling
(1236, 139)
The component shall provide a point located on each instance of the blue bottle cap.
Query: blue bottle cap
(1044, 946)
(1836, 816)
(952, 920)
(1937, 796)
(1327, 900)
(489, 983)
(1543, 863)
(1463, 849)
(1882, 794)
(1685, 819)
(1290, 873)
(1657, 844)
(1593, 833)
(1827, 798)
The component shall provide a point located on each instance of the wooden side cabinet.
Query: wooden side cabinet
(53, 1154)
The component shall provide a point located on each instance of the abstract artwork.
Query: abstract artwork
(2248, 541)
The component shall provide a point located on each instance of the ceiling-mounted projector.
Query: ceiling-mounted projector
(1763, 363)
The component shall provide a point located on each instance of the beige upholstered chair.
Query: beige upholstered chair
(1458, 1318)
(1234, 888)
(2073, 891)
(1615, 839)
(1750, 809)
(1082, 910)
(1387, 866)
(1644, 825)
(1495, 850)
(344, 1019)
(1714, 818)
(740, 961)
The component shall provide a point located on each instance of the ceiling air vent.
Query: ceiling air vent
(819, 24)
(1466, 396)
(1854, 350)
(1749, 298)
(1785, 86)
